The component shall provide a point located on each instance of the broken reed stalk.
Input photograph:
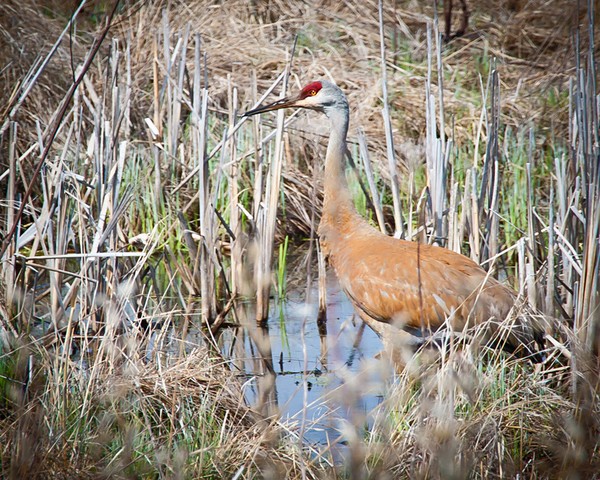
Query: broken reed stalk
(454, 239)
(530, 267)
(473, 209)
(586, 149)
(10, 270)
(376, 200)
(385, 112)
(267, 216)
(560, 227)
(259, 154)
(490, 180)
(234, 172)
(436, 155)
(551, 276)
(205, 213)
(482, 212)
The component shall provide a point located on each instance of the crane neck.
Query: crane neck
(339, 220)
(337, 199)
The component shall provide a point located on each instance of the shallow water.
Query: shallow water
(318, 380)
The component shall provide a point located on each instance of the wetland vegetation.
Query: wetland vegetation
(165, 310)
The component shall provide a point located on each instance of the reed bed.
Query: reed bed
(156, 211)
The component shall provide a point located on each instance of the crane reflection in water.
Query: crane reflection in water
(316, 376)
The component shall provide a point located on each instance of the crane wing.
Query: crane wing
(417, 286)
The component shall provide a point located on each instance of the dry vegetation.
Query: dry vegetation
(156, 209)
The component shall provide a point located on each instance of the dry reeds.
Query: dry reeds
(158, 209)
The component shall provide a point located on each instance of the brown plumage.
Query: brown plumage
(401, 289)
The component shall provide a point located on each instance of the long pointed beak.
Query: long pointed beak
(283, 103)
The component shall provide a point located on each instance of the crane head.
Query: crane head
(320, 95)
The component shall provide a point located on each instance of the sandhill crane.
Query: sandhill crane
(400, 288)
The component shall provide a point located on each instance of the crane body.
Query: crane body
(399, 288)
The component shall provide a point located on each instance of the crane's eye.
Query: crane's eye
(312, 93)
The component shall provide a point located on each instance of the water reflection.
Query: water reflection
(312, 374)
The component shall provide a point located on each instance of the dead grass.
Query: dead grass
(530, 44)
(27, 33)
(103, 278)
(130, 419)
(474, 421)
